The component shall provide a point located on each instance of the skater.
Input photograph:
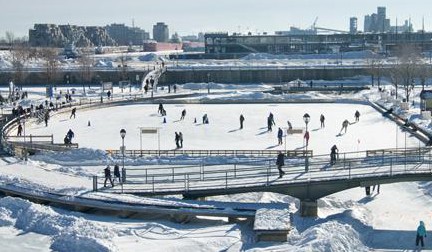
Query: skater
(333, 154)
(272, 118)
(175, 88)
(421, 233)
(109, 94)
(73, 113)
(70, 134)
(279, 136)
(177, 140)
(322, 119)
(183, 114)
(376, 186)
(66, 140)
(181, 139)
(160, 108)
(357, 116)
(163, 112)
(344, 126)
(20, 128)
(117, 173)
(107, 172)
(367, 189)
(280, 161)
(46, 118)
(269, 124)
(205, 119)
(241, 121)
(289, 125)
(306, 137)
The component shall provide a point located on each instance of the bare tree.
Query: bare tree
(20, 56)
(123, 66)
(423, 73)
(10, 37)
(376, 69)
(86, 63)
(51, 63)
(395, 76)
(408, 68)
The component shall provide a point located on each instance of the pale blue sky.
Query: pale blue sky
(193, 16)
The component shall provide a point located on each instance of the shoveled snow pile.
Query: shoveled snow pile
(104, 63)
(69, 232)
(81, 156)
(4, 63)
(150, 57)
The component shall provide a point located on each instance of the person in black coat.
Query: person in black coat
(107, 173)
(183, 114)
(20, 129)
(117, 172)
(241, 121)
(333, 154)
(280, 161)
(73, 113)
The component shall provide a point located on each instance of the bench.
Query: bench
(295, 131)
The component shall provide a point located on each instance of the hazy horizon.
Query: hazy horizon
(193, 16)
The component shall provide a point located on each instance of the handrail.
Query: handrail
(184, 179)
(288, 153)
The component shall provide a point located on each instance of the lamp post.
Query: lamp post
(123, 134)
(208, 83)
(306, 119)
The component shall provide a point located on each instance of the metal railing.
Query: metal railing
(183, 179)
(176, 152)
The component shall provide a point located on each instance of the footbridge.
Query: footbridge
(307, 179)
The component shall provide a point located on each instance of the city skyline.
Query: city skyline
(191, 16)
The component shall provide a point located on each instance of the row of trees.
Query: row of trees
(22, 55)
(408, 69)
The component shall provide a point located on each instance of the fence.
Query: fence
(199, 153)
(182, 179)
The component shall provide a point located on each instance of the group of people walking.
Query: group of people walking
(107, 173)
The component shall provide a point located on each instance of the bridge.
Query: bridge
(307, 179)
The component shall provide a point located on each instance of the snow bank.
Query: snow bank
(104, 63)
(149, 57)
(69, 233)
(4, 63)
(81, 156)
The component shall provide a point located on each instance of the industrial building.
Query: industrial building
(125, 35)
(223, 45)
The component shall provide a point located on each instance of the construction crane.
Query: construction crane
(315, 28)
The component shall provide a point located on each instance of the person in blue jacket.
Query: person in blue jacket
(421, 233)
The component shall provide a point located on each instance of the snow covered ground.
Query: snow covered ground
(348, 221)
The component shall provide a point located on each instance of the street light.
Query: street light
(123, 134)
(208, 83)
(306, 119)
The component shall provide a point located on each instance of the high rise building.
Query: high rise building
(161, 32)
(377, 22)
(381, 19)
(353, 25)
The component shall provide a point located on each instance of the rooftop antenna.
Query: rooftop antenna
(133, 23)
